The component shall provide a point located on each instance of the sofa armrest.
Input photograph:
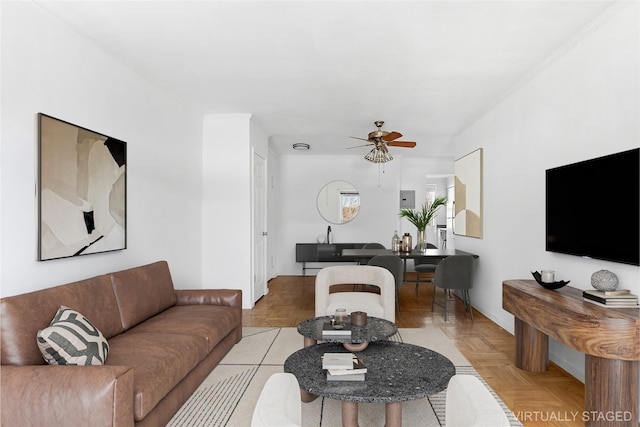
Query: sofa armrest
(227, 297)
(43, 395)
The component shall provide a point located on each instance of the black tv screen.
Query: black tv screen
(592, 208)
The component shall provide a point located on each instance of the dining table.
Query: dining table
(427, 256)
(431, 254)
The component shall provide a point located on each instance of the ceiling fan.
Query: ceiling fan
(381, 140)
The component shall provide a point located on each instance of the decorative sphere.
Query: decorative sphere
(604, 280)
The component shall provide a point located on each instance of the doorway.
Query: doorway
(259, 227)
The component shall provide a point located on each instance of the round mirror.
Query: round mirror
(338, 202)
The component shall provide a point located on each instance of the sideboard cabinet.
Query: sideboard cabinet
(322, 252)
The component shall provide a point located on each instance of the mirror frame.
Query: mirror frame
(333, 191)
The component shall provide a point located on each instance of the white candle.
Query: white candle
(547, 276)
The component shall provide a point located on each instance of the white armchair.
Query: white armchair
(279, 403)
(376, 305)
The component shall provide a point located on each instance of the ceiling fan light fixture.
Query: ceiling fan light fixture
(381, 141)
(378, 156)
(301, 146)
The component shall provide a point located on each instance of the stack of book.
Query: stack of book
(621, 298)
(329, 330)
(343, 367)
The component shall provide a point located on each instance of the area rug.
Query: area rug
(229, 394)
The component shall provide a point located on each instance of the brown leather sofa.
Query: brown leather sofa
(163, 344)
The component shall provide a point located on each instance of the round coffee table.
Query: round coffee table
(396, 373)
(376, 329)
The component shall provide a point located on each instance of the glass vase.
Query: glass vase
(422, 241)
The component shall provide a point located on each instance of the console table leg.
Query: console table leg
(532, 348)
(349, 414)
(393, 414)
(611, 392)
(309, 342)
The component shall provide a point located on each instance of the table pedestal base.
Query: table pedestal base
(611, 385)
(393, 414)
(307, 397)
(349, 414)
(532, 347)
(611, 392)
(354, 347)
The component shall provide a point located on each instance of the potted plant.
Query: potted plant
(422, 217)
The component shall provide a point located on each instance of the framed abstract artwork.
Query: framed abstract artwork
(82, 190)
(467, 219)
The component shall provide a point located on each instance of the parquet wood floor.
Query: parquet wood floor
(552, 398)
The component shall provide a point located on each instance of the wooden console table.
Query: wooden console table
(610, 339)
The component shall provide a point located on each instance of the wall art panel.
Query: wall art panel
(468, 195)
(82, 189)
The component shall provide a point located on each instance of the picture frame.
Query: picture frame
(467, 219)
(81, 190)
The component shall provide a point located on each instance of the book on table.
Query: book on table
(345, 376)
(620, 298)
(338, 360)
(628, 304)
(328, 330)
(609, 294)
(343, 367)
(621, 305)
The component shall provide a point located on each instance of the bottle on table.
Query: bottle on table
(395, 242)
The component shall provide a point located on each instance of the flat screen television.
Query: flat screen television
(592, 208)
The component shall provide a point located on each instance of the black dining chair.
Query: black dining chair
(454, 272)
(364, 261)
(422, 266)
(394, 264)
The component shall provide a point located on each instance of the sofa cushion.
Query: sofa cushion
(211, 322)
(23, 315)
(159, 361)
(143, 292)
(71, 339)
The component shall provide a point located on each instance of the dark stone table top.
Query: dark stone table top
(376, 329)
(396, 372)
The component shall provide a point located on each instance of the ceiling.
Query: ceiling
(319, 72)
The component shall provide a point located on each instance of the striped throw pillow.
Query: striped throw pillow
(71, 339)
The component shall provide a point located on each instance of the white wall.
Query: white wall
(226, 203)
(300, 178)
(584, 105)
(273, 225)
(229, 141)
(49, 68)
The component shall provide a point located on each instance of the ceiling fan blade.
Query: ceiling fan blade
(405, 144)
(391, 136)
(358, 146)
(355, 137)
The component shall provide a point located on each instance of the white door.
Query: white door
(259, 227)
